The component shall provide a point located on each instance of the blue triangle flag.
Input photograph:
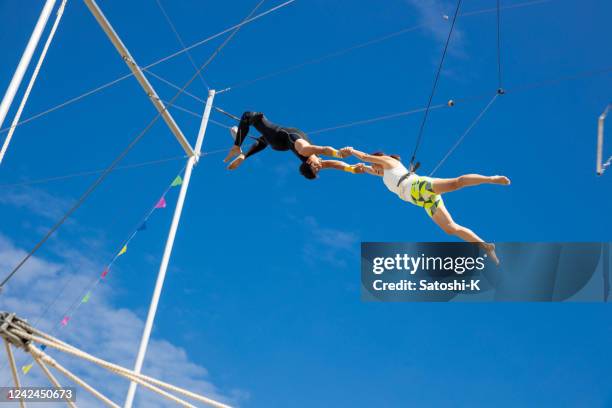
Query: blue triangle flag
(142, 227)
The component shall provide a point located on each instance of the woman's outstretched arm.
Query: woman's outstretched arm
(358, 168)
(366, 157)
(370, 170)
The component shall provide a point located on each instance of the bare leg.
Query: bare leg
(445, 221)
(441, 185)
(255, 148)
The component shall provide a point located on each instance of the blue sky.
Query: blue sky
(262, 303)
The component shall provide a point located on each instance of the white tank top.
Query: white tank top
(392, 176)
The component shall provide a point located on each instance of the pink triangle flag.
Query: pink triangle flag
(161, 203)
(65, 321)
(104, 273)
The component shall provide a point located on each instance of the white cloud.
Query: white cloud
(36, 201)
(431, 13)
(328, 244)
(99, 328)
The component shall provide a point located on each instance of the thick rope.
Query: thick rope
(11, 360)
(52, 379)
(467, 131)
(56, 344)
(155, 389)
(45, 358)
(435, 85)
(26, 95)
(168, 57)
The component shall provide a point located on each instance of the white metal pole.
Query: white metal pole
(144, 342)
(7, 100)
(26, 94)
(600, 140)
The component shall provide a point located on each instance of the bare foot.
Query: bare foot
(503, 180)
(236, 162)
(234, 151)
(490, 250)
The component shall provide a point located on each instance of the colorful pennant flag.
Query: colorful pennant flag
(161, 203)
(85, 299)
(26, 368)
(177, 182)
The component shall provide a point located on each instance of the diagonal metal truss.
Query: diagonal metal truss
(139, 75)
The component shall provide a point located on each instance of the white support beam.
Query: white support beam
(161, 276)
(144, 82)
(22, 67)
(601, 166)
(26, 94)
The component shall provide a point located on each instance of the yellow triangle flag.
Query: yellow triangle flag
(26, 368)
(123, 250)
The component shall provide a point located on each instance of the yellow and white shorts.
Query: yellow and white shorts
(422, 194)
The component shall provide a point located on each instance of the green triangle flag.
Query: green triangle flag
(86, 298)
(177, 181)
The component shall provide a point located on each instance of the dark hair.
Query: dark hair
(307, 171)
(395, 156)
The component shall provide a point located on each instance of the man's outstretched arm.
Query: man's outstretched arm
(306, 149)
